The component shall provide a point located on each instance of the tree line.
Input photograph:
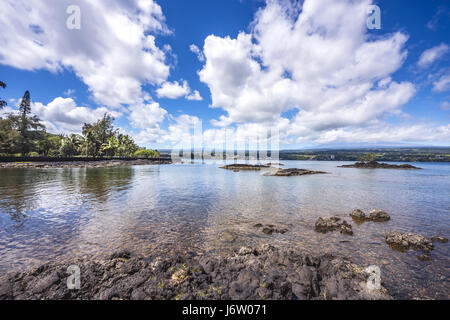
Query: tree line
(23, 134)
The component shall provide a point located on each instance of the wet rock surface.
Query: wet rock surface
(374, 215)
(270, 228)
(83, 164)
(377, 165)
(293, 172)
(439, 239)
(325, 225)
(258, 273)
(405, 241)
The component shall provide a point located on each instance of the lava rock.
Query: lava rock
(84, 164)
(238, 167)
(375, 216)
(259, 273)
(325, 225)
(269, 229)
(293, 172)
(439, 239)
(379, 216)
(358, 214)
(377, 165)
(404, 241)
(424, 257)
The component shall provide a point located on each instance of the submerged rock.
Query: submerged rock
(325, 225)
(379, 216)
(270, 228)
(377, 165)
(375, 216)
(259, 273)
(404, 241)
(358, 214)
(424, 257)
(439, 239)
(293, 172)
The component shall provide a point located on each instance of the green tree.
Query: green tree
(3, 103)
(71, 145)
(29, 125)
(44, 146)
(49, 145)
(9, 135)
(110, 147)
(97, 135)
(368, 157)
(127, 147)
(145, 153)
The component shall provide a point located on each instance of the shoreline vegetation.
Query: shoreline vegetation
(388, 154)
(22, 134)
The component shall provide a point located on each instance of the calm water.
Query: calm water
(55, 214)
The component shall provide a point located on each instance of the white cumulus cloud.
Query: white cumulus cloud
(114, 53)
(62, 115)
(175, 90)
(316, 62)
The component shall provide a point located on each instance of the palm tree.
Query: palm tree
(109, 148)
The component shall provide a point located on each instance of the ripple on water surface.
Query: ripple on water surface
(54, 214)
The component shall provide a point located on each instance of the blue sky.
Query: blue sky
(310, 69)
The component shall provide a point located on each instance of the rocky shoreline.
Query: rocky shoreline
(82, 164)
(261, 273)
(377, 165)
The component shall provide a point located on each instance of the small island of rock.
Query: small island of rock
(238, 167)
(377, 165)
(293, 172)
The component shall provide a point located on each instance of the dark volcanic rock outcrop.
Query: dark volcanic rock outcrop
(270, 228)
(374, 215)
(275, 164)
(239, 167)
(252, 273)
(293, 172)
(404, 241)
(325, 225)
(377, 165)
